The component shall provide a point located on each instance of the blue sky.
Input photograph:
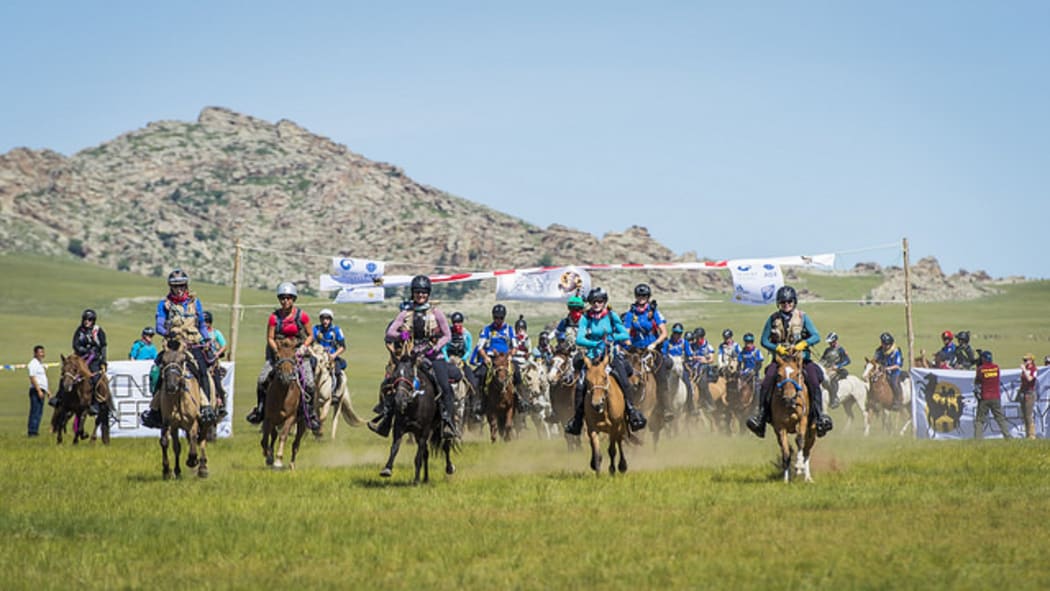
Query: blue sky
(733, 129)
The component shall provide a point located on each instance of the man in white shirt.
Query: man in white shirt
(38, 391)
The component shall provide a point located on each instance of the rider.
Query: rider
(964, 355)
(460, 343)
(889, 355)
(497, 337)
(648, 330)
(89, 343)
(946, 355)
(790, 328)
(702, 363)
(330, 336)
(728, 349)
(834, 361)
(215, 352)
(599, 329)
(428, 329)
(565, 332)
(191, 332)
(542, 351)
(750, 358)
(218, 341)
(677, 346)
(288, 321)
(522, 346)
(143, 348)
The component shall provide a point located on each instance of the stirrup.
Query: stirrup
(255, 416)
(757, 426)
(572, 427)
(208, 416)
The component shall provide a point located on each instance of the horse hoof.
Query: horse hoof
(202, 473)
(167, 475)
(269, 461)
(450, 469)
(386, 472)
(178, 476)
(191, 461)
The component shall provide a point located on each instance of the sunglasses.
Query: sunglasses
(284, 297)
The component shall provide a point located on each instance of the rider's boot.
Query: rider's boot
(448, 425)
(575, 424)
(833, 393)
(821, 420)
(380, 425)
(757, 423)
(220, 395)
(256, 415)
(634, 417)
(311, 416)
(898, 395)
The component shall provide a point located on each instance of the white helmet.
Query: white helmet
(326, 312)
(287, 288)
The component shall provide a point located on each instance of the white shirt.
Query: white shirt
(36, 370)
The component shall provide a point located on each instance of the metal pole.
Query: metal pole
(907, 303)
(235, 308)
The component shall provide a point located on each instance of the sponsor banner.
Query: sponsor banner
(129, 382)
(354, 271)
(360, 295)
(755, 282)
(944, 405)
(550, 285)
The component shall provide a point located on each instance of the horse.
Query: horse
(647, 391)
(285, 405)
(180, 406)
(880, 399)
(853, 396)
(328, 395)
(77, 396)
(534, 392)
(562, 380)
(416, 408)
(737, 395)
(499, 397)
(790, 406)
(679, 394)
(605, 412)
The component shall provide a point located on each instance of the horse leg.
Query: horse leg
(446, 446)
(267, 442)
(176, 448)
(508, 421)
(166, 467)
(493, 426)
(811, 438)
(623, 459)
(282, 439)
(785, 454)
(612, 456)
(192, 435)
(202, 467)
(395, 446)
(300, 430)
(596, 454)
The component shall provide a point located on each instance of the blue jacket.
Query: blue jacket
(331, 339)
(497, 340)
(162, 316)
(679, 349)
(140, 350)
(894, 357)
(596, 333)
(643, 330)
(751, 360)
(468, 345)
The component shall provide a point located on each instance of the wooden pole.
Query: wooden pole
(907, 303)
(235, 307)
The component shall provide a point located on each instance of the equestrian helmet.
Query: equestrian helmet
(986, 356)
(178, 277)
(420, 283)
(688, 336)
(963, 336)
(727, 333)
(947, 335)
(148, 331)
(326, 312)
(544, 337)
(886, 338)
(642, 290)
(597, 294)
(832, 337)
(499, 311)
(576, 303)
(287, 289)
(457, 318)
(700, 333)
(749, 338)
(786, 294)
(677, 328)
(88, 314)
(208, 317)
(520, 323)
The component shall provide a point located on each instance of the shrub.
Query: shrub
(76, 246)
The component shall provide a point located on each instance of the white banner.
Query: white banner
(360, 295)
(353, 271)
(755, 282)
(129, 382)
(943, 404)
(551, 285)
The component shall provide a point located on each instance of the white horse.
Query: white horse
(853, 395)
(535, 393)
(328, 395)
(679, 393)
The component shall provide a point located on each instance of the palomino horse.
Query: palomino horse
(880, 399)
(790, 408)
(647, 391)
(499, 397)
(285, 405)
(562, 379)
(737, 395)
(535, 394)
(77, 396)
(416, 408)
(605, 412)
(180, 405)
(328, 395)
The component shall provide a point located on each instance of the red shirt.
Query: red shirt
(1028, 372)
(988, 377)
(288, 327)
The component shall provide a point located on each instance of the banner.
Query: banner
(755, 282)
(129, 383)
(360, 295)
(944, 406)
(354, 271)
(552, 285)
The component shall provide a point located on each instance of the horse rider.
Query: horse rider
(964, 355)
(542, 352)
(183, 306)
(89, 343)
(497, 337)
(455, 352)
(727, 349)
(750, 358)
(143, 348)
(522, 345)
(889, 356)
(565, 331)
(834, 361)
(218, 341)
(702, 364)
(429, 332)
(790, 328)
(600, 328)
(290, 322)
(944, 357)
(678, 346)
(648, 330)
(330, 336)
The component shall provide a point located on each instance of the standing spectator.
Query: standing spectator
(38, 391)
(144, 347)
(218, 341)
(1027, 394)
(986, 388)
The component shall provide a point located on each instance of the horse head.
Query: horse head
(598, 380)
(287, 363)
(173, 369)
(790, 379)
(873, 371)
(74, 371)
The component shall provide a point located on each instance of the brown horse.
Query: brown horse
(180, 405)
(880, 399)
(738, 398)
(499, 397)
(76, 398)
(605, 412)
(562, 379)
(284, 406)
(647, 392)
(790, 408)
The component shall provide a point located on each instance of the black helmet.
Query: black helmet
(886, 338)
(688, 336)
(420, 283)
(832, 337)
(88, 314)
(405, 305)
(677, 327)
(545, 337)
(148, 331)
(208, 317)
(986, 356)
(700, 332)
(786, 294)
(520, 323)
(749, 338)
(963, 336)
(499, 311)
(642, 289)
(178, 277)
(597, 294)
(457, 317)
(727, 333)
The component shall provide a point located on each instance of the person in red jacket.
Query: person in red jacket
(986, 389)
(1026, 394)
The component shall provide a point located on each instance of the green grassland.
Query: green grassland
(703, 511)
